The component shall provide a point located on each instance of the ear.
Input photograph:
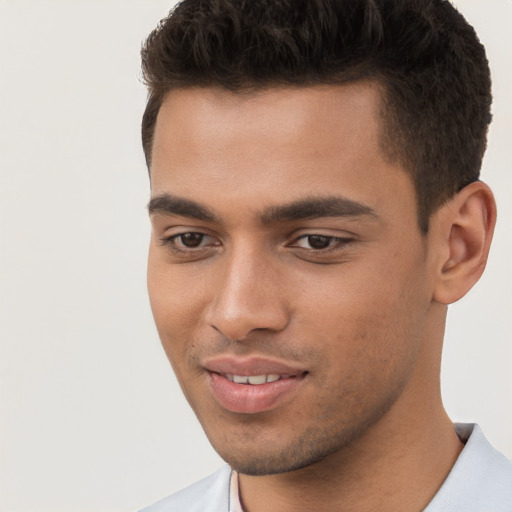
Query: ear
(463, 230)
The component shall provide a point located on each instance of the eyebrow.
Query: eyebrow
(307, 208)
(172, 205)
(317, 207)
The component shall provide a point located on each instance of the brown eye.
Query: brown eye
(191, 240)
(318, 241)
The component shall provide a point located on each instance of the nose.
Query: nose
(249, 295)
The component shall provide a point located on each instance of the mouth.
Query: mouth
(253, 385)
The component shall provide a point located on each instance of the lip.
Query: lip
(247, 398)
(251, 366)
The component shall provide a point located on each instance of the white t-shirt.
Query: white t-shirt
(480, 481)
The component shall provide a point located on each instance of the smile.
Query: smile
(254, 384)
(250, 394)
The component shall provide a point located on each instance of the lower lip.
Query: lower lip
(251, 399)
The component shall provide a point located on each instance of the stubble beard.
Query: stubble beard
(257, 455)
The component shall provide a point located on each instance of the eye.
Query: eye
(319, 242)
(190, 240)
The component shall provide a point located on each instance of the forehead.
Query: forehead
(273, 146)
(218, 116)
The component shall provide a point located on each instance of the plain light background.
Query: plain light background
(91, 416)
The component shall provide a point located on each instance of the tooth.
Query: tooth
(229, 376)
(273, 377)
(240, 379)
(257, 379)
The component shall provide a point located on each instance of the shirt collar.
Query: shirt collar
(480, 479)
(234, 494)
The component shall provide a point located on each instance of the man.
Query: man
(316, 206)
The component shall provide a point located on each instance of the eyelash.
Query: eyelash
(171, 241)
(335, 244)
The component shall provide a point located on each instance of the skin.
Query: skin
(362, 312)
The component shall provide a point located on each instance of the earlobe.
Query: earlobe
(465, 228)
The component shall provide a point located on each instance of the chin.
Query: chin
(272, 465)
(262, 457)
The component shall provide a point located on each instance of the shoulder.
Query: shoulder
(208, 495)
(480, 480)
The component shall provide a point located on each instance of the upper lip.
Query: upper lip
(248, 366)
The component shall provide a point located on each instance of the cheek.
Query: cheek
(174, 320)
(174, 305)
(373, 323)
(367, 365)
(175, 292)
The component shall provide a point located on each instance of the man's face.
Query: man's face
(287, 274)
